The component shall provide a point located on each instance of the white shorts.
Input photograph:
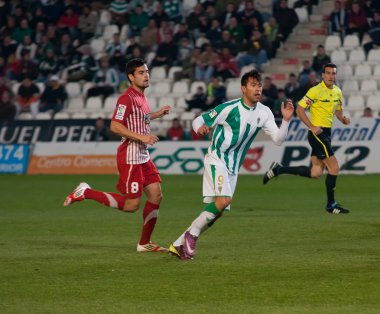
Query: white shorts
(217, 182)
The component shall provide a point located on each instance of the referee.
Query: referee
(323, 100)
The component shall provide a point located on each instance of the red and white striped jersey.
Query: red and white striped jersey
(133, 111)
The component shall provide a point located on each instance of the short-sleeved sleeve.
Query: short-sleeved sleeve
(214, 116)
(123, 108)
(340, 103)
(308, 99)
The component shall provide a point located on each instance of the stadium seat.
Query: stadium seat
(338, 57)
(96, 115)
(41, 86)
(109, 30)
(233, 90)
(194, 86)
(61, 116)
(79, 115)
(15, 87)
(373, 56)
(86, 87)
(94, 104)
(302, 14)
(355, 102)
(376, 72)
(124, 33)
(162, 88)
(157, 128)
(43, 116)
(188, 115)
(350, 87)
(157, 74)
(368, 87)
(105, 18)
(363, 71)
(110, 103)
(356, 57)
(97, 46)
(25, 116)
(181, 103)
(344, 72)
(166, 101)
(180, 89)
(172, 72)
(153, 104)
(373, 102)
(350, 42)
(76, 104)
(332, 43)
(73, 89)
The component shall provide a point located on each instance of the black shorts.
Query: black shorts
(321, 144)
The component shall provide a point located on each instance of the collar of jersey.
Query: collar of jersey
(324, 85)
(245, 106)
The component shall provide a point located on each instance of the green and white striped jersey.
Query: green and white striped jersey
(236, 126)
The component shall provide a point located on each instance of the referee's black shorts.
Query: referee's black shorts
(321, 144)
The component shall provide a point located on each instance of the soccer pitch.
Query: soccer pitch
(277, 251)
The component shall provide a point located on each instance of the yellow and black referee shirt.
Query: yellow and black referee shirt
(322, 102)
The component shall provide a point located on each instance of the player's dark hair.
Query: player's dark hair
(132, 65)
(328, 65)
(253, 73)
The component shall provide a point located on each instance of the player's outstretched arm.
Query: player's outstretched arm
(121, 130)
(199, 126)
(160, 113)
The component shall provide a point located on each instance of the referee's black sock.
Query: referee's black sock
(302, 171)
(330, 188)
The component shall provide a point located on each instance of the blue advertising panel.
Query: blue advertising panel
(14, 158)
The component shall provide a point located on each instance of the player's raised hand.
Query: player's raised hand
(149, 139)
(287, 110)
(163, 111)
(203, 130)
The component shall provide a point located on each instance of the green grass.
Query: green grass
(277, 251)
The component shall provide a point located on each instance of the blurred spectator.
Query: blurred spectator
(185, 51)
(119, 10)
(338, 20)
(9, 27)
(229, 12)
(237, 32)
(66, 51)
(13, 68)
(7, 107)
(303, 76)
(173, 9)
(273, 38)
(307, 4)
(198, 100)
(101, 132)
(164, 29)
(216, 93)
(37, 18)
(286, 18)
(248, 13)
(106, 80)
(149, 36)
(39, 32)
(291, 88)
(192, 19)
(137, 21)
(181, 32)
(23, 30)
(176, 131)
(225, 65)
(374, 33)
(265, 7)
(269, 93)
(28, 97)
(256, 51)
(159, 15)
(87, 23)
(27, 45)
(312, 81)
(84, 68)
(53, 97)
(8, 46)
(131, 45)
(281, 98)
(227, 41)
(367, 113)
(117, 52)
(205, 64)
(357, 20)
(3, 86)
(68, 22)
(27, 66)
(166, 53)
(320, 59)
(48, 65)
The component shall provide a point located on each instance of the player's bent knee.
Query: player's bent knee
(131, 205)
(222, 203)
(156, 199)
